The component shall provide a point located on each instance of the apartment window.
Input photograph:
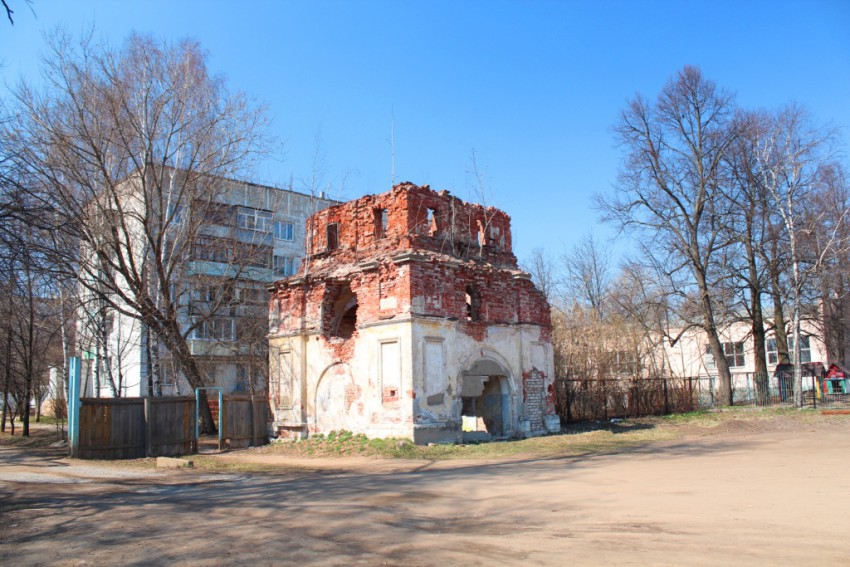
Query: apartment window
(253, 296)
(215, 329)
(212, 249)
(175, 212)
(254, 219)
(217, 213)
(623, 362)
(734, 353)
(258, 256)
(284, 231)
(284, 265)
(213, 293)
(709, 358)
(805, 348)
(772, 351)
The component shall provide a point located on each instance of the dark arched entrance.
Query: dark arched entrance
(485, 401)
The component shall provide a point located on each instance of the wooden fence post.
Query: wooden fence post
(253, 421)
(148, 420)
(604, 400)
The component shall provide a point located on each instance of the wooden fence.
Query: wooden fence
(244, 421)
(132, 428)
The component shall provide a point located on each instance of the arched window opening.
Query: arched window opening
(344, 313)
(347, 323)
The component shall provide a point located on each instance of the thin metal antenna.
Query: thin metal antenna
(392, 147)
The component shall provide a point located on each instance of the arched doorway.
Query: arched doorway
(485, 397)
(333, 400)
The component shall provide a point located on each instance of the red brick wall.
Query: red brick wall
(415, 266)
(460, 229)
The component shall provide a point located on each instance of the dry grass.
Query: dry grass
(42, 434)
(574, 440)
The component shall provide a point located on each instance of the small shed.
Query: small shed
(836, 380)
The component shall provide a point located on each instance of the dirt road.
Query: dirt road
(730, 497)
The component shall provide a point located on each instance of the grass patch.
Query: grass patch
(344, 443)
(590, 438)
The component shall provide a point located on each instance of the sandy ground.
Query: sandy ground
(738, 495)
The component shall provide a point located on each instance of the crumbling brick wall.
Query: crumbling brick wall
(417, 256)
(435, 256)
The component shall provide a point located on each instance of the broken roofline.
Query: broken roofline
(409, 218)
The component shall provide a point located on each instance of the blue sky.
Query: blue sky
(532, 88)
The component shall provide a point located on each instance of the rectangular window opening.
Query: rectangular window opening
(432, 222)
(333, 236)
(381, 223)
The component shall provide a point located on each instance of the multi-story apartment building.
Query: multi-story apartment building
(247, 237)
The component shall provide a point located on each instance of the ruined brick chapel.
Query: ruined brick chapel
(410, 318)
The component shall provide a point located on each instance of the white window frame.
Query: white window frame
(284, 266)
(709, 358)
(771, 350)
(805, 348)
(215, 329)
(254, 219)
(284, 231)
(735, 354)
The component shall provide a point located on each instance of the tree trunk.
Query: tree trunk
(779, 319)
(759, 356)
(30, 353)
(724, 377)
(7, 379)
(754, 283)
(798, 365)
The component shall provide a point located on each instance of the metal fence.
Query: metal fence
(579, 399)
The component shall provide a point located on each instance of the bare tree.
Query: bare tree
(10, 11)
(30, 316)
(129, 149)
(753, 234)
(833, 279)
(543, 271)
(792, 152)
(587, 270)
(669, 190)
